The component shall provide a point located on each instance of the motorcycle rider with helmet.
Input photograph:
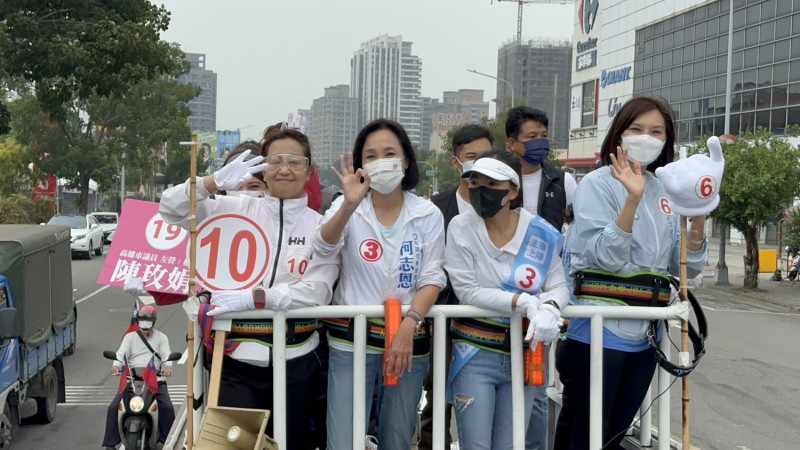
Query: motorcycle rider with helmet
(134, 350)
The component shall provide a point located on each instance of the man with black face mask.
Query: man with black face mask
(547, 192)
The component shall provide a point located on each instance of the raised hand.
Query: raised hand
(238, 172)
(628, 173)
(355, 183)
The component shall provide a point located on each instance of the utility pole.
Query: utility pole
(498, 79)
(722, 267)
(554, 118)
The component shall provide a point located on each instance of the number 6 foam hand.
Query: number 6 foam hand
(231, 301)
(238, 172)
(693, 183)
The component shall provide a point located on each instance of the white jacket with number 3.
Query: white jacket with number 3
(368, 275)
(289, 226)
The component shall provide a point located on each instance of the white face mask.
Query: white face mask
(254, 194)
(385, 174)
(466, 166)
(145, 325)
(642, 147)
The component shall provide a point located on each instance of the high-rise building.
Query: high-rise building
(332, 126)
(539, 71)
(679, 51)
(204, 106)
(386, 79)
(457, 108)
(425, 121)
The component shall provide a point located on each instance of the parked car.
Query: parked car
(108, 222)
(87, 235)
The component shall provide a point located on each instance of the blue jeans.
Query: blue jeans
(397, 405)
(481, 397)
(536, 436)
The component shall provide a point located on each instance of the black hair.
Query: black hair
(512, 160)
(411, 177)
(469, 133)
(518, 115)
(253, 146)
(277, 132)
(632, 109)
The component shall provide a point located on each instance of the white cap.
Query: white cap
(495, 169)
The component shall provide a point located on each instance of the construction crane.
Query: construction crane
(520, 4)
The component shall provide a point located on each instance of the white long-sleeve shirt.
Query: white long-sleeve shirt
(294, 273)
(367, 276)
(289, 219)
(478, 269)
(138, 355)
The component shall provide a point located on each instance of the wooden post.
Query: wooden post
(192, 270)
(684, 269)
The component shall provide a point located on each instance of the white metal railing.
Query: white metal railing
(439, 314)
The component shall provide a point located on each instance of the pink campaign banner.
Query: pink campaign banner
(147, 247)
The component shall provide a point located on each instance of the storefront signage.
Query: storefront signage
(586, 61)
(587, 14)
(613, 107)
(608, 77)
(588, 45)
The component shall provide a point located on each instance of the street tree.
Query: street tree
(100, 133)
(791, 230)
(78, 48)
(761, 180)
(83, 64)
(14, 172)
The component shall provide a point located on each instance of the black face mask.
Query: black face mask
(487, 202)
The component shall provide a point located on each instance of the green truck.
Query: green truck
(37, 323)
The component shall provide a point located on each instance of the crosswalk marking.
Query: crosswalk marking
(102, 395)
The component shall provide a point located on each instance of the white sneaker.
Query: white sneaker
(371, 443)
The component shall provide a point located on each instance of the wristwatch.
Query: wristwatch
(419, 320)
(553, 304)
(259, 297)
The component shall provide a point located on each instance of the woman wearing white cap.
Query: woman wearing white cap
(498, 257)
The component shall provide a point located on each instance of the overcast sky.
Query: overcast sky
(275, 56)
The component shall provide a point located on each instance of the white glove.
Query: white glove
(238, 171)
(692, 184)
(134, 286)
(279, 297)
(191, 307)
(527, 302)
(546, 324)
(230, 301)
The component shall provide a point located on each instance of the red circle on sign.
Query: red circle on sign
(705, 187)
(371, 250)
(213, 246)
(163, 236)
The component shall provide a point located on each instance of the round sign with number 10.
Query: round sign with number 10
(232, 252)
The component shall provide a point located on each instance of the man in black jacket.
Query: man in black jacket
(469, 142)
(546, 191)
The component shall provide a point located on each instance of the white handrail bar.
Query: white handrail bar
(440, 313)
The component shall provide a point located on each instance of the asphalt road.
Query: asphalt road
(103, 315)
(745, 394)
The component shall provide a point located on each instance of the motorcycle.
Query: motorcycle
(795, 268)
(137, 415)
